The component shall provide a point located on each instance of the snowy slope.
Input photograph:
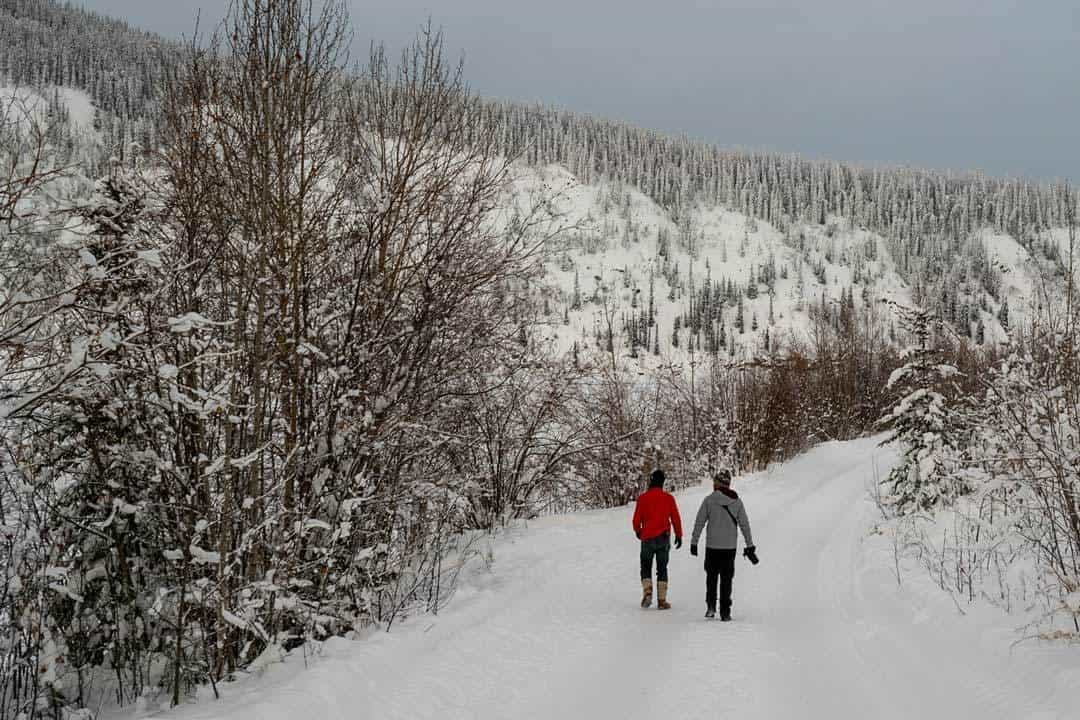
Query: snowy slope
(79, 106)
(66, 116)
(552, 630)
(612, 250)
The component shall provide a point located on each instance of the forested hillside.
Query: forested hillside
(50, 44)
(944, 231)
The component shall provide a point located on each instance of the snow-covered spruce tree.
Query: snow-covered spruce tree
(924, 421)
(95, 457)
(83, 469)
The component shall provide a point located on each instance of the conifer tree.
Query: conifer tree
(652, 304)
(929, 429)
(1003, 315)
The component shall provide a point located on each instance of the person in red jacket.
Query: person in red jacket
(654, 516)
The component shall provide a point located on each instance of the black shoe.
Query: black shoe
(725, 618)
(710, 614)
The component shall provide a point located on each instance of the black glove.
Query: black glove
(750, 554)
(678, 543)
(693, 550)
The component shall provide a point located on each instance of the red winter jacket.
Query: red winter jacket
(655, 513)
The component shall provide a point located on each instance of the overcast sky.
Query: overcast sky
(953, 84)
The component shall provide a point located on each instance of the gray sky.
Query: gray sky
(953, 84)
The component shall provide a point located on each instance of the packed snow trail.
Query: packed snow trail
(553, 630)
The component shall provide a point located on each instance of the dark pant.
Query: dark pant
(660, 548)
(719, 565)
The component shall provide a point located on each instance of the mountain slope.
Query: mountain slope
(622, 251)
(947, 242)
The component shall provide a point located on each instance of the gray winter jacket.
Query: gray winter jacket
(722, 532)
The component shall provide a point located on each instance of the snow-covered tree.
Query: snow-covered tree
(924, 422)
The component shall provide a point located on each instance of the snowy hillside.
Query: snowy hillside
(552, 629)
(623, 256)
(623, 260)
(74, 105)
(62, 120)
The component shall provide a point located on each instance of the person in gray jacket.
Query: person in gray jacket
(725, 515)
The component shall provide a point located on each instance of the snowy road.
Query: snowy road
(822, 630)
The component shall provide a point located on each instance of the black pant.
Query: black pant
(719, 565)
(660, 548)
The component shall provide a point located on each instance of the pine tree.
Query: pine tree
(928, 428)
(652, 304)
(751, 286)
(1003, 315)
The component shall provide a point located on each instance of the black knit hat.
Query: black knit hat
(657, 478)
(723, 477)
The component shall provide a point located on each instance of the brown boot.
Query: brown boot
(646, 592)
(661, 596)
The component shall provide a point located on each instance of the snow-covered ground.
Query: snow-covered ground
(79, 106)
(552, 630)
